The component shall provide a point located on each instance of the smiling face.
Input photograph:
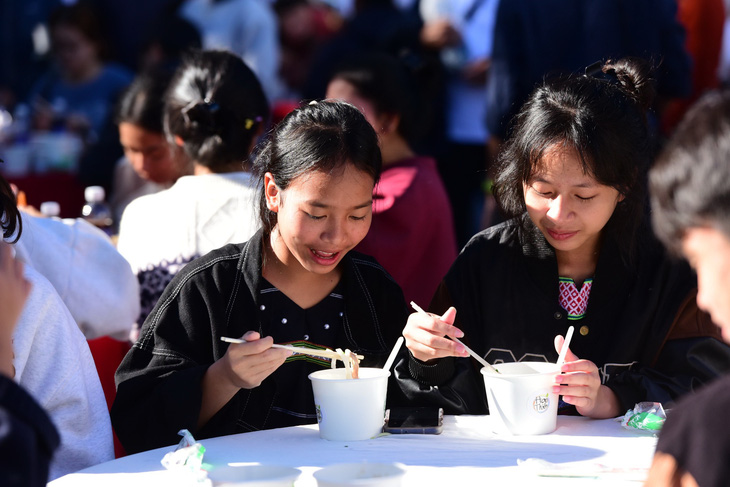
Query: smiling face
(568, 206)
(708, 252)
(320, 217)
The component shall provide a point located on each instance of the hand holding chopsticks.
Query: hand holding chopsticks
(471, 352)
(315, 352)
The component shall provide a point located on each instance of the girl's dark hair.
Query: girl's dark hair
(215, 104)
(83, 16)
(382, 80)
(10, 220)
(142, 103)
(322, 136)
(603, 116)
(690, 182)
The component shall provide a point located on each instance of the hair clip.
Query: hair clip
(594, 69)
(313, 102)
(249, 123)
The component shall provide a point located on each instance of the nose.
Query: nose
(334, 232)
(559, 209)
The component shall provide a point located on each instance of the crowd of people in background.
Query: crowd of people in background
(437, 146)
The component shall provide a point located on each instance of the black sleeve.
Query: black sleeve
(27, 438)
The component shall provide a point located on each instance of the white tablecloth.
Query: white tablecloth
(580, 452)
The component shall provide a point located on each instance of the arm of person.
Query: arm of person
(244, 366)
(692, 354)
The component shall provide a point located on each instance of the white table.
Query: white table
(599, 452)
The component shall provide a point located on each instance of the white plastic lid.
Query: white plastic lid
(94, 194)
(50, 208)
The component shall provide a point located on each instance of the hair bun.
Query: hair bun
(201, 115)
(634, 75)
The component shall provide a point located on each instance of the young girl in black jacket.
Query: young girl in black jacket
(294, 282)
(576, 251)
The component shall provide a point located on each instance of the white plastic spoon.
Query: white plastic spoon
(566, 345)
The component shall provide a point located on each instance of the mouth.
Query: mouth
(324, 258)
(560, 234)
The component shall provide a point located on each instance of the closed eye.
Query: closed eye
(314, 217)
(586, 198)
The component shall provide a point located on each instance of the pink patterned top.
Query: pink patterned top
(572, 299)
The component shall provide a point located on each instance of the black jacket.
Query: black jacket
(27, 438)
(159, 381)
(644, 330)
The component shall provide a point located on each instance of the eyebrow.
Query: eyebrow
(318, 204)
(581, 185)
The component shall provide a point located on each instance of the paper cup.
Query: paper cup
(361, 475)
(350, 409)
(253, 476)
(520, 398)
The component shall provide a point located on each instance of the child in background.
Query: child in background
(215, 110)
(296, 281)
(150, 164)
(577, 251)
(690, 196)
(412, 234)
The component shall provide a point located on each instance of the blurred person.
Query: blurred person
(460, 31)
(247, 28)
(412, 231)
(690, 196)
(28, 438)
(704, 23)
(78, 94)
(296, 281)
(53, 363)
(150, 163)
(215, 109)
(538, 38)
(169, 38)
(577, 251)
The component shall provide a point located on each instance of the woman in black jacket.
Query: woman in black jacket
(576, 251)
(296, 282)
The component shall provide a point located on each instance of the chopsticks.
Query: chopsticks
(471, 352)
(315, 352)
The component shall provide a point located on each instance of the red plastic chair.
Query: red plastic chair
(108, 354)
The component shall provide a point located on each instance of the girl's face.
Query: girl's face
(708, 252)
(320, 217)
(568, 206)
(150, 154)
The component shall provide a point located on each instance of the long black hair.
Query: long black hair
(603, 116)
(215, 104)
(321, 136)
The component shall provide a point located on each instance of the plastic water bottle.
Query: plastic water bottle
(50, 209)
(96, 211)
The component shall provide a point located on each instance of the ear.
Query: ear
(390, 123)
(272, 193)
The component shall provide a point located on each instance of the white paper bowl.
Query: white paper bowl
(361, 475)
(350, 409)
(253, 476)
(520, 398)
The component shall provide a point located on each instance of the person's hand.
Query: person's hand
(475, 72)
(14, 290)
(246, 365)
(425, 336)
(439, 34)
(580, 385)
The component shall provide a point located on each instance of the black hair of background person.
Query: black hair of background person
(142, 103)
(215, 104)
(397, 34)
